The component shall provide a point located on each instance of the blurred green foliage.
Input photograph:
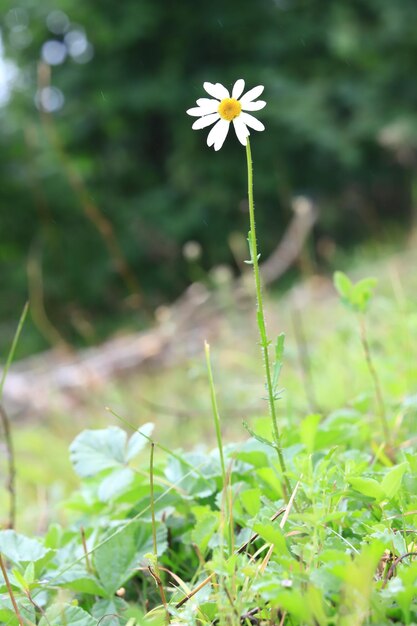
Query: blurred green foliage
(99, 195)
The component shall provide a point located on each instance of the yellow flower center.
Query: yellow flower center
(229, 108)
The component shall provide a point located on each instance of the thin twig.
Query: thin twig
(10, 591)
(242, 548)
(394, 565)
(87, 558)
(161, 590)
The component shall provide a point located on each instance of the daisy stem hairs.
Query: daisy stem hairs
(264, 341)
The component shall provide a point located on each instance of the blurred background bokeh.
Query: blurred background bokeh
(110, 205)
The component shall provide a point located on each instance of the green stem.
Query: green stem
(216, 417)
(152, 494)
(264, 342)
(377, 387)
(10, 356)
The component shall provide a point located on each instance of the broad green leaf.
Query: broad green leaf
(368, 487)
(391, 482)
(117, 560)
(207, 523)
(8, 616)
(79, 580)
(115, 484)
(294, 602)
(139, 440)
(270, 482)
(194, 475)
(93, 451)
(20, 549)
(67, 615)
(251, 501)
(110, 611)
(96, 450)
(272, 534)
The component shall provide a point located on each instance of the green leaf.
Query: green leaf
(117, 560)
(343, 285)
(308, 431)
(391, 482)
(207, 523)
(368, 487)
(355, 296)
(79, 580)
(112, 608)
(259, 438)
(251, 501)
(115, 484)
(20, 579)
(30, 573)
(279, 355)
(67, 615)
(96, 450)
(20, 549)
(8, 616)
(139, 440)
(272, 534)
(193, 474)
(362, 294)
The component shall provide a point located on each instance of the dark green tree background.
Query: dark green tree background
(99, 194)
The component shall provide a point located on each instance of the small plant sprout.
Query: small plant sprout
(357, 297)
(223, 110)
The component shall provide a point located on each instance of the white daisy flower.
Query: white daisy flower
(228, 108)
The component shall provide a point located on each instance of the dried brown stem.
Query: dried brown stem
(394, 565)
(85, 549)
(161, 590)
(10, 591)
(242, 548)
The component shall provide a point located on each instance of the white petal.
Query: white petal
(251, 121)
(208, 105)
(218, 133)
(241, 130)
(238, 88)
(196, 111)
(252, 94)
(216, 90)
(221, 134)
(253, 106)
(211, 137)
(206, 120)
